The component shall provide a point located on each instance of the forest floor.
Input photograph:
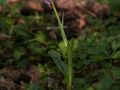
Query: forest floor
(29, 31)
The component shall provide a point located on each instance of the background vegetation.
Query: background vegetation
(32, 60)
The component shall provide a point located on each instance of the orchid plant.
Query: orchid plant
(65, 69)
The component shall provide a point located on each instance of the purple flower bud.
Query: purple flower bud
(48, 2)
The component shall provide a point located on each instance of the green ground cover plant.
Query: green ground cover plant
(88, 62)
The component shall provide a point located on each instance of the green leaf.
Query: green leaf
(62, 46)
(116, 55)
(57, 60)
(106, 82)
(70, 51)
(116, 72)
(35, 48)
(18, 54)
(80, 84)
(90, 88)
(34, 86)
(40, 37)
(115, 45)
(70, 46)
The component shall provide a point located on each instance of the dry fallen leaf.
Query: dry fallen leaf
(3, 36)
(34, 5)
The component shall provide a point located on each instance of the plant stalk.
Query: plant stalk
(69, 75)
(60, 24)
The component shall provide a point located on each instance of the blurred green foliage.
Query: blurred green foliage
(96, 56)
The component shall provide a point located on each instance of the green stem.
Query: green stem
(69, 71)
(60, 24)
(69, 76)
